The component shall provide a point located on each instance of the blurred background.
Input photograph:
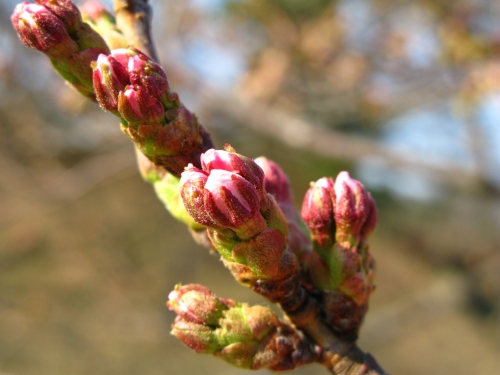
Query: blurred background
(403, 94)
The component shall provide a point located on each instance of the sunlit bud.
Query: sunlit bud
(143, 71)
(66, 11)
(138, 107)
(275, 180)
(192, 184)
(196, 303)
(318, 211)
(109, 78)
(231, 161)
(232, 199)
(233, 196)
(40, 29)
(198, 337)
(355, 210)
(222, 199)
(250, 337)
(122, 55)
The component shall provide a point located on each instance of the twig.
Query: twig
(133, 18)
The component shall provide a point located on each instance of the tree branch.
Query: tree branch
(133, 18)
(340, 357)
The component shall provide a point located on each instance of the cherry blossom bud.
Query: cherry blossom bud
(233, 200)
(143, 71)
(355, 211)
(196, 303)
(250, 337)
(231, 161)
(192, 185)
(66, 11)
(198, 337)
(40, 29)
(318, 211)
(122, 55)
(229, 200)
(109, 78)
(275, 180)
(138, 107)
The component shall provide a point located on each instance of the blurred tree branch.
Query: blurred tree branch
(133, 18)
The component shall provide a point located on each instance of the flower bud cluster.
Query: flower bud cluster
(340, 215)
(132, 86)
(250, 337)
(245, 224)
(56, 28)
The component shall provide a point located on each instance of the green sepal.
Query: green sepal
(87, 38)
(233, 328)
(240, 354)
(224, 241)
(168, 192)
(262, 253)
(274, 216)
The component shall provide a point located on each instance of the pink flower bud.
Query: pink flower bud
(216, 159)
(122, 55)
(222, 199)
(192, 186)
(66, 11)
(138, 107)
(232, 199)
(40, 29)
(143, 71)
(355, 211)
(196, 336)
(232, 162)
(196, 303)
(275, 180)
(109, 78)
(318, 211)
